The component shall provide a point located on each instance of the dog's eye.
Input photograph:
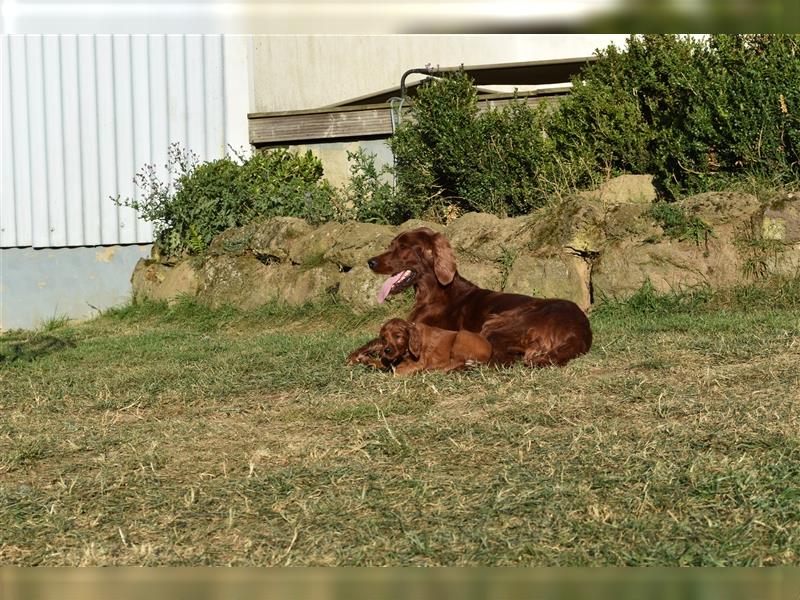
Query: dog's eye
(387, 350)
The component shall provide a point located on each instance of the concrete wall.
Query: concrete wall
(36, 285)
(334, 156)
(309, 71)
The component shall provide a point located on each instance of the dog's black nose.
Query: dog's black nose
(372, 263)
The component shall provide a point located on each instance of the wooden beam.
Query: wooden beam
(315, 126)
(331, 124)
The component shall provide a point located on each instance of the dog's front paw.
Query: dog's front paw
(355, 358)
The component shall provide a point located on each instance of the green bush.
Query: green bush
(368, 196)
(698, 114)
(200, 200)
(447, 153)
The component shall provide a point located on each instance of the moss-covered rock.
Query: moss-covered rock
(723, 208)
(479, 236)
(310, 247)
(781, 219)
(625, 189)
(556, 276)
(483, 274)
(241, 281)
(357, 242)
(266, 238)
(417, 223)
(153, 280)
(359, 287)
(669, 265)
(575, 225)
(306, 285)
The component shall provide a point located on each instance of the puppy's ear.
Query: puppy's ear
(444, 261)
(414, 341)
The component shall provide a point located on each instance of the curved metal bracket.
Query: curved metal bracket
(420, 70)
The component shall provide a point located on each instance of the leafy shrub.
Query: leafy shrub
(698, 114)
(200, 200)
(368, 196)
(448, 153)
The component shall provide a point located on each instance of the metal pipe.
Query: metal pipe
(420, 70)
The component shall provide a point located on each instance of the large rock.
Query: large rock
(785, 262)
(668, 265)
(240, 281)
(483, 274)
(734, 217)
(246, 283)
(310, 249)
(723, 208)
(153, 280)
(575, 225)
(359, 287)
(628, 221)
(479, 236)
(267, 238)
(625, 189)
(556, 276)
(356, 242)
(274, 238)
(416, 223)
(781, 220)
(306, 285)
(780, 232)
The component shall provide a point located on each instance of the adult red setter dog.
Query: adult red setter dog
(538, 331)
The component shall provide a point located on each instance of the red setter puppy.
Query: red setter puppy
(411, 347)
(539, 331)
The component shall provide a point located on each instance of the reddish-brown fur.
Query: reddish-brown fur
(411, 347)
(539, 331)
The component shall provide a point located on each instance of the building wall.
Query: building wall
(39, 284)
(79, 116)
(311, 71)
(333, 156)
(82, 114)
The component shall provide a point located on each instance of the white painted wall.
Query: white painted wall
(80, 114)
(308, 71)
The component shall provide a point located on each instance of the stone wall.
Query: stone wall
(597, 244)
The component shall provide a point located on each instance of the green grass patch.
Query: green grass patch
(678, 225)
(187, 436)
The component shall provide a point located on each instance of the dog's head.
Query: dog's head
(412, 257)
(398, 338)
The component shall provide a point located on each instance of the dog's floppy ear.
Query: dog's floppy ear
(444, 261)
(414, 340)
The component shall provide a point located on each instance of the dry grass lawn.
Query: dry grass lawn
(183, 436)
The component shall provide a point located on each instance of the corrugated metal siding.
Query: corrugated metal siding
(81, 114)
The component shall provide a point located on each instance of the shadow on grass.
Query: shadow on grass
(32, 346)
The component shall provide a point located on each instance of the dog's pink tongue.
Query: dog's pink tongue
(387, 286)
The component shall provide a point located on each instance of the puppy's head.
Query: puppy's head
(395, 337)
